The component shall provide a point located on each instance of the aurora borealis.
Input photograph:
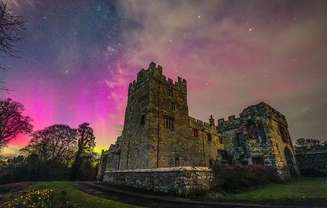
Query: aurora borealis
(77, 58)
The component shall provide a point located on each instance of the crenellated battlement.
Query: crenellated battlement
(260, 110)
(232, 123)
(198, 124)
(156, 72)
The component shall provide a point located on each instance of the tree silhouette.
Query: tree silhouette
(86, 143)
(12, 122)
(10, 28)
(57, 152)
(55, 144)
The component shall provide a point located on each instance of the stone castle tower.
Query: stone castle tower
(158, 131)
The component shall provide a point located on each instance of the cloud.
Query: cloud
(234, 53)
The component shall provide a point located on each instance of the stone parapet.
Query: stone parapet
(176, 180)
(196, 123)
(156, 71)
(233, 122)
(263, 110)
(313, 163)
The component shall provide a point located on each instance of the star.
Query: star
(293, 60)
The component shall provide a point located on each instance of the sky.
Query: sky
(77, 57)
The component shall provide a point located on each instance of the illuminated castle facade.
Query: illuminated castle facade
(158, 132)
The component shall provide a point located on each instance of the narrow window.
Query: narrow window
(173, 106)
(211, 162)
(169, 122)
(177, 161)
(170, 92)
(209, 137)
(195, 132)
(143, 120)
(238, 140)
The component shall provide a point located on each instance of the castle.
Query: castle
(159, 133)
(259, 136)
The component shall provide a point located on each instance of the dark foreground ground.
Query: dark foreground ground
(309, 192)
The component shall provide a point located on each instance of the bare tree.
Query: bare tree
(12, 122)
(10, 28)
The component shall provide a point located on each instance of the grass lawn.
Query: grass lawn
(309, 191)
(297, 191)
(83, 200)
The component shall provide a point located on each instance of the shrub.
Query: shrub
(235, 178)
(45, 198)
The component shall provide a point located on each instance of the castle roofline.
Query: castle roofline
(263, 106)
(156, 72)
(251, 110)
(199, 124)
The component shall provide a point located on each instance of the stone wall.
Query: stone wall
(312, 163)
(259, 136)
(175, 180)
